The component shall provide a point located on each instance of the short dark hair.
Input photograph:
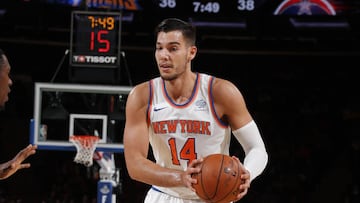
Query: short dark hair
(174, 24)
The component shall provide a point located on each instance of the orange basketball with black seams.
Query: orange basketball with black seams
(219, 179)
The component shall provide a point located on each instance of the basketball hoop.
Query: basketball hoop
(85, 147)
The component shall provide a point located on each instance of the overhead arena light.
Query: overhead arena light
(219, 24)
(311, 23)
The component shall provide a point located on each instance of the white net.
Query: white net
(85, 146)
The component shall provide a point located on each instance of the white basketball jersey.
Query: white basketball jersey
(179, 133)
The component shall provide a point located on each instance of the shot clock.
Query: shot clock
(95, 39)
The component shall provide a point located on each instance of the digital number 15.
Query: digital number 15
(99, 37)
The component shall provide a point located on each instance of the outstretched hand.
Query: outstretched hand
(9, 168)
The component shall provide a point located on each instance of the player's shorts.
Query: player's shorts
(156, 196)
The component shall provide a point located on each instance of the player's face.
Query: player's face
(173, 55)
(5, 82)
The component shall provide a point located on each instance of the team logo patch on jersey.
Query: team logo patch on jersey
(201, 105)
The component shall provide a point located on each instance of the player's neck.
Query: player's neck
(181, 89)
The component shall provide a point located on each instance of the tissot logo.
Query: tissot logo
(95, 59)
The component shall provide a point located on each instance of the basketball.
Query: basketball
(219, 179)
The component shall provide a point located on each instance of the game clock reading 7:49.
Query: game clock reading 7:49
(95, 39)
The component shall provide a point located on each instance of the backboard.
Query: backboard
(62, 110)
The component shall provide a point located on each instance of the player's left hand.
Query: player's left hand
(9, 168)
(245, 181)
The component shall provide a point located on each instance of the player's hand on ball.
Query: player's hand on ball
(245, 181)
(194, 167)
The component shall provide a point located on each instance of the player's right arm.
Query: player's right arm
(136, 146)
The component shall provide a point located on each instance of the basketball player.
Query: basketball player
(9, 168)
(185, 116)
